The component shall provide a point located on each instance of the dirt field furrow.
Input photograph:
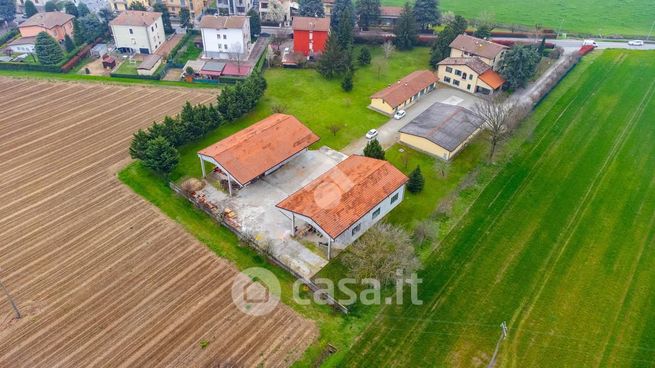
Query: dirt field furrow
(101, 277)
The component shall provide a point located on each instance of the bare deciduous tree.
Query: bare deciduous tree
(425, 231)
(496, 117)
(380, 252)
(388, 48)
(334, 128)
(442, 167)
(276, 11)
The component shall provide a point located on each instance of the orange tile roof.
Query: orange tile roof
(477, 46)
(340, 197)
(401, 91)
(390, 11)
(492, 79)
(310, 24)
(135, 18)
(251, 152)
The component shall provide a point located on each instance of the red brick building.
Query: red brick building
(310, 34)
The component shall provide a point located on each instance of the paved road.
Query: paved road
(388, 133)
(573, 44)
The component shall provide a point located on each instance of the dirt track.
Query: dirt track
(104, 279)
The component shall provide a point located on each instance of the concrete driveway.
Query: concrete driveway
(388, 133)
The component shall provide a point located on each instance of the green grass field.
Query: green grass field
(560, 244)
(626, 17)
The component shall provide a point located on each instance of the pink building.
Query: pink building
(56, 24)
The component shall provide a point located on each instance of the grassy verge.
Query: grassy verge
(73, 77)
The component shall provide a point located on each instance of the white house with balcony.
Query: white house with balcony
(138, 31)
(225, 37)
(234, 7)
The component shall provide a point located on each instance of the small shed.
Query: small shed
(23, 45)
(108, 62)
(196, 65)
(212, 69)
(99, 50)
(149, 65)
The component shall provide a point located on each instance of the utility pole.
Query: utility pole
(651, 31)
(11, 300)
(503, 336)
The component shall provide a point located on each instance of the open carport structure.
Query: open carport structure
(258, 150)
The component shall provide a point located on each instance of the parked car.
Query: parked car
(589, 43)
(399, 114)
(636, 43)
(371, 134)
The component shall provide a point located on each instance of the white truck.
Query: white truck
(589, 43)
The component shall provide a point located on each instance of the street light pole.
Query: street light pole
(11, 300)
(651, 31)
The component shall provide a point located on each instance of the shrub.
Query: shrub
(416, 181)
(161, 156)
(373, 149)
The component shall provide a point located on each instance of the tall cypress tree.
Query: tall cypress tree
(30, 8)
(339, 7)
(426, 13)
(368, 12)
(346, 29)
(165, 16)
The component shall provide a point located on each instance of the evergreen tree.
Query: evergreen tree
(518, 65)
(185, 18)
(83, 10)
(458, 26)
(137, 5)
(89, 28)
(368, 12)
(71, 9)
(69, 44)
(406, 30)
(50, 6)
(346, 29)
(416, 181)
(426, 13)
(436, 54)
(339, 7)
(30, 8)
(347, 83)
(78, 36)
(311, 8)
(483, 31)
(161, 156)
(364, 56)
(441, 47)
(165, 16)
(373, 149)
(47, 50)
(139, 144)
(8, 10)
(542, 46)
(105, 16)
(333, 61)
(255, 23)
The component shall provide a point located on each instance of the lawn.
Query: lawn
(559, 244)
(188, 52)
(127, 68)
(626, 17)
(318, 103)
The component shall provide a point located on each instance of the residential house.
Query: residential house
(258, 150)
(138, 31)
(469, 74)
(225, 37)
(56, 24)
(468, 46)
(344, 202)
(123, 5)
(233, 7)
(404, 93)
(195, 6)
(23, 45)
(327, 7)
(310, 35)
(389, 15)
(442, 130)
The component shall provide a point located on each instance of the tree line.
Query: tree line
(156, 147)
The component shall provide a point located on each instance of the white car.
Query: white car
(371, 134)
(589, 43)
(399, 114)
(636, 43)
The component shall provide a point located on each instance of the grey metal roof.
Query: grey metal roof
(445, 125)
(213, 66)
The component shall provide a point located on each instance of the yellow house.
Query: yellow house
(442, 130)
(469, 74)
(404, 93)
(468, 46)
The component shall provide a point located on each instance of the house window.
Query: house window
(458, 72)
(446, 79)
(133, 41)
(356, 229)
(468, 87)
(218, 37)
(455, 82)
(463, 75)
(225, 37)
(131, 31)
(152, 28)
(449, 69)
(225, 46)
(470, 76)
(394, 199)
(376, 213)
